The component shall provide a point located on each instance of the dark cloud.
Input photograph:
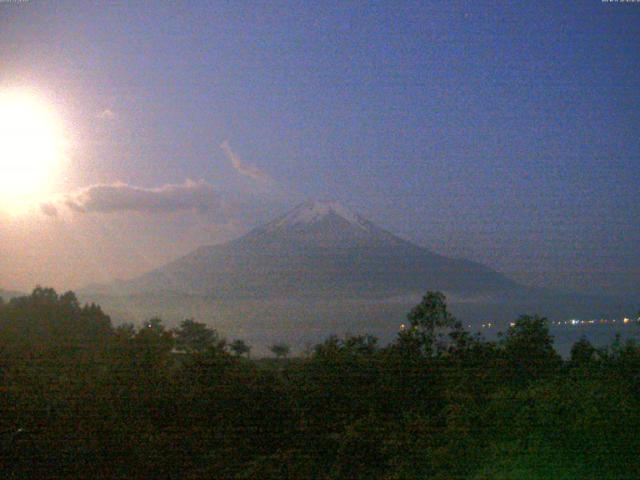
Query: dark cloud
(120, 197)
(49, 209)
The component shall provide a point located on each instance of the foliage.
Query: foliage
(430, 325)
(82, 399)
(240, 347)
(280, 350)
(528, 349)
(194, 336)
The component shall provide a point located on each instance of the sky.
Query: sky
(505, 133)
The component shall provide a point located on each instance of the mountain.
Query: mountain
(318, 250)
(321, 269)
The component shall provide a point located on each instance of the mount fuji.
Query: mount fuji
(321, 269)
(318, 250)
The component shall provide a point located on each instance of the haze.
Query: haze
(504, 134)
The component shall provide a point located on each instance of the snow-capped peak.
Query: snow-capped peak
(314, 211)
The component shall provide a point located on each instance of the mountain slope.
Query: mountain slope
(321, 270)
(318, 249)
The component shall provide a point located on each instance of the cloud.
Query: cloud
(119, 197)
(49, 209)
(107, 114)
(246, 170)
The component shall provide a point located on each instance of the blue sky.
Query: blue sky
(504, 133)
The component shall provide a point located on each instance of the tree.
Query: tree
(528, 347)
(428, 321)
(152, 346)
(360, 344)
(240, 347)
(280, 350)
(48, 321)
(126, 331)
(582, 352)
(194, 336)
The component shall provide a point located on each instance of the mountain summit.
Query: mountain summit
(321, 250)
(314, 211)
(321, 225)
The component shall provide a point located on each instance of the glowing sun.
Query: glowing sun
(32, 147)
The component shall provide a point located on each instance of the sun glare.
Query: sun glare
(32, 147)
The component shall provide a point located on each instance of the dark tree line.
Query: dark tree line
(82, 399)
